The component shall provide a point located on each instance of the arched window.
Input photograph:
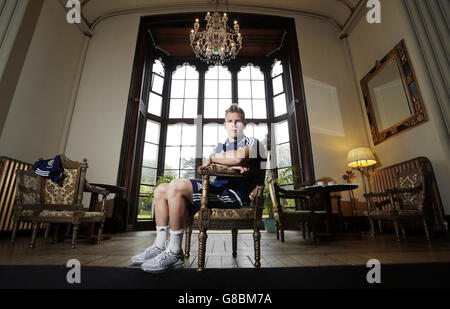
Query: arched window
(181, 136)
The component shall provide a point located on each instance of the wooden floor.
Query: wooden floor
(349, 249)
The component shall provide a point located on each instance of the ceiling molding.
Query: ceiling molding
(88, 28)
(193, 7)
(352, 20)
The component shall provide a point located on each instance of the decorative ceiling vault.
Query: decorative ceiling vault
(340, 13)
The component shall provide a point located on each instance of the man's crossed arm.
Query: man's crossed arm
(235, 159)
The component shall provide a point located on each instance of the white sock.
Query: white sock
(176, 237)
(161, 236)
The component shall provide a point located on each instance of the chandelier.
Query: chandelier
(218, 43)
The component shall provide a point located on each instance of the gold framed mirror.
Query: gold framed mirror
(392, 96)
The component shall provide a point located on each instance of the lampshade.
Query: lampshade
(361, 157)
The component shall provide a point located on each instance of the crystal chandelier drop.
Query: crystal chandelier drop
(218, 43)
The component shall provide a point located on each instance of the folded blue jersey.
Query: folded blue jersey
(51, 168)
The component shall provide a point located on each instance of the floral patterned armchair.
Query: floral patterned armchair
(40, 200)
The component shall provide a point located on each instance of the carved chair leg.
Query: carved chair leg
(372, 229)
(425, 225)
(380, 226)
(47, 231)
(397, 236)
(257, 244)
(74, 235)
(100, 232)
(33, 236)
(202, 236)
(187, 245)
(14, 231)
(234, 234)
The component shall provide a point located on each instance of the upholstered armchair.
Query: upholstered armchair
(410, 199)
(63, 204)
(247, 217)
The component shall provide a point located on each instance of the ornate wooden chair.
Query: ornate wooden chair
(27, 199)
(410, 199)
(64, 204)
(247, 217)
(294, 219)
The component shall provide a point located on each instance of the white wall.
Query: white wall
(99, 115)
(369, 42)
(41, 101)
(334, 112)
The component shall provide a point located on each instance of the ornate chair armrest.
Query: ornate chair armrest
(94, 189)
(283, 193)
(219, 170)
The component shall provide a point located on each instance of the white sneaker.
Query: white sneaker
(148, 254)
(166, 260)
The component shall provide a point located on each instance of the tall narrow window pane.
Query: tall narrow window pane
(279, 99)
(259, 109)
(217, 91)
(156, 89)
(177, 90)
(210, 108)
(277, 68)
(252, 92)
(279, 104)
(158, 83)
(150, 155)
(185, 88)
(174, 135)
(154, 104)
(190, 108)
(278, 85)
(176, 108)
(152, 132)
(281, 132)
(180, 150)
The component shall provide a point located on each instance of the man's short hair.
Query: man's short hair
(234, 108)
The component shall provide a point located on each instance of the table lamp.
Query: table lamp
(361, 158)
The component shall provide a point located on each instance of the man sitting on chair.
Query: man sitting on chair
(179, 199)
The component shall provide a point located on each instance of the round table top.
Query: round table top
(331, 188)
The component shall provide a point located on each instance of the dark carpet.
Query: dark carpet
(394, 276)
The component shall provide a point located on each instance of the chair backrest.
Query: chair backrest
(413, 178)
(28, 190)
(71, 192)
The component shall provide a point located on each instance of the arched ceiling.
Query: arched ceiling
(337, 12)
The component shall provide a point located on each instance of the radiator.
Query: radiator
(8, 169)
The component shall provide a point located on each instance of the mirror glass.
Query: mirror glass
(390, 100)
